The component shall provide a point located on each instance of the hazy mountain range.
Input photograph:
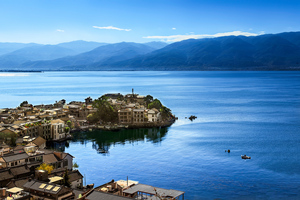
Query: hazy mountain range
(264, 52)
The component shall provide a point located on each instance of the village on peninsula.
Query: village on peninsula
(30, 170)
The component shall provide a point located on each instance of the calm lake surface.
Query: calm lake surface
(252, 113)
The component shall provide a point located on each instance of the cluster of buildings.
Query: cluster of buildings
(46, 121)
(133, 109)
(18, 170)
(20, 179)
(50, 121)
(25, 130)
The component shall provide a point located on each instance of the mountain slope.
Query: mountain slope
(32, 53)
(104, 54)
(156, 45)
(265, 52)
(8, 47)
(81, 46)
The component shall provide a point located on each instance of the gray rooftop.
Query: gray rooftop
(5, 175)
(43, 187)
(15, 157)
(150, 190)
(96, 195)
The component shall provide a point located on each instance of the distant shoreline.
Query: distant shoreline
(216, 70)
(228, 70)
(28, 71)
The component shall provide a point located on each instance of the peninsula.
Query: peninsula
(55, 122)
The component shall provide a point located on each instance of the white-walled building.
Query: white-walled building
(153, 115)
(57, 129)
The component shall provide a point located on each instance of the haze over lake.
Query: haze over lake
(252, 113)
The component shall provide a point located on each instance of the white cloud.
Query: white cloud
(177, 38)
(59, 30)
(173, 28)
(112, 28)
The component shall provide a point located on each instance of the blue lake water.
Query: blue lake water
(253, 113)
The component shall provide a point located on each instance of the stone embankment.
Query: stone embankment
(117, 127)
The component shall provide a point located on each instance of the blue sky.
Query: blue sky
(111, 21)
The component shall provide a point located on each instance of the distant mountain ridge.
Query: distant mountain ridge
(264, 52)
(103, 54)
(8, 47)
(81, 46)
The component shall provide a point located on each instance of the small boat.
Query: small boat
(245, 157)
(102, 151)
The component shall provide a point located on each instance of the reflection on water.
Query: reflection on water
(58, 146)
(103, 140)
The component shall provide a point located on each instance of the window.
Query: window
(65, 163)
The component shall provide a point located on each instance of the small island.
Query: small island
(55, 122)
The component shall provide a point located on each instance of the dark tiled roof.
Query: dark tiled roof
(19, 170)
(58, 171)
(4, 146)
(15, 157)
(61, 155)
(50, 158)
(75, 175)
(34, 164)
(150, 190)
(39, 141)
(5, 175)
(19, 140)
(36, 185)
(19, 151)
(17, 183)
(19, 147)
(96, 195)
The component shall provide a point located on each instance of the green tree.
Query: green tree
(155, 104)
(165, 112)
(67, 129)
(120, 98)
(75, 165)
(23, 103)
(66, 179)
(148, 99)
(92, 118)
(13, 139)
(105, 111)
(69, 123)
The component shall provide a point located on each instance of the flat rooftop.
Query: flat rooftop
(150, 190)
